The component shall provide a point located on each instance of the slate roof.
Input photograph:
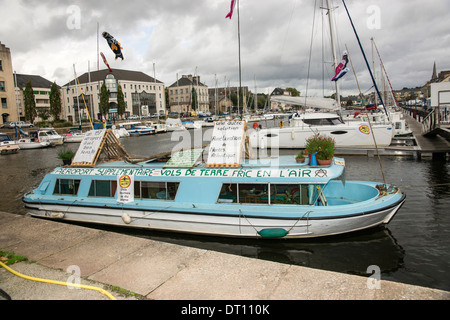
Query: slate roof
(124, 75)
(36, 81)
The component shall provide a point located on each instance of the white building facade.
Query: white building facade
(143, 95)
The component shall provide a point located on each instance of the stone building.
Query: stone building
(181, 94)
(8, 104)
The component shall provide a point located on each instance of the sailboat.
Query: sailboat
(301, 126)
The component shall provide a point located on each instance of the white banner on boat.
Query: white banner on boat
(125, 185)
(89, 146)
(226, 144)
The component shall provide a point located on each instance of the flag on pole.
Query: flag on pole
(230, 14)
(341, 69)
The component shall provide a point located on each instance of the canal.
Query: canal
(414, 248)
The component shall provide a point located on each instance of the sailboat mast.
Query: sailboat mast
(239, 45)
(333, 48)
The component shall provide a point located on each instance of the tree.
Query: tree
(55, 102)
(120, 101)
(294, 92)
(104, 100)
(194, 99)
(29, 103)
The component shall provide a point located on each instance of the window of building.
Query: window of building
(67, 187)
(155, 190)
(103, 188)
(1, 65)
(4, 103)
(2, 86)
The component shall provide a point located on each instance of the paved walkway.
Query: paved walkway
(162, 271)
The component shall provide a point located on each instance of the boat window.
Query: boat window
(155, 190)
(289, 194)
(103, 188)
(228, 193)
(284, 193)
(253, 193)
(66, 187)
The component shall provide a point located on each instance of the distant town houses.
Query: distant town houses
(131, 93)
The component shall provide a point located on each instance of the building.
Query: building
(9, 111)
(41, 90)
(183, 91)
(143, 94)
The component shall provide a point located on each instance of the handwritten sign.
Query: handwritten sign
(226, 145)
(89, 146)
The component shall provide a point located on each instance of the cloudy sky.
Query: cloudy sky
(284, 43)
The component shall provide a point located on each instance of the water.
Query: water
(413, 248)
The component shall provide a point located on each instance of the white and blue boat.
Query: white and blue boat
(257, 199)
(137, 128)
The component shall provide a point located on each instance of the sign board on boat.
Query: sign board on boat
(227, 143)
(87, 152)
(125, 188)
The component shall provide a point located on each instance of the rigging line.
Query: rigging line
(310, 50)
(368, 117)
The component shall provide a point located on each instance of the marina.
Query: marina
(202, 189)
(416, 234)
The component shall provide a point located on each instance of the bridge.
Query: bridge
(431, 130)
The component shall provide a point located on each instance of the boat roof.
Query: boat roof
(251, 170)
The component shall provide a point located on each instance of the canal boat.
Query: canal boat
(256, 198)
(8, 145)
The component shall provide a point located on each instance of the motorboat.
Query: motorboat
(8, 145)
(30, 143)
(74, 136)
(47, 134)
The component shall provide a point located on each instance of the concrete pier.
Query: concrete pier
(162, 271)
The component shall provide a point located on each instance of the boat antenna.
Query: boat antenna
(368, 118)
(365, 59)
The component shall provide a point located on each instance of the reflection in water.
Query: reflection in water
(413, 248)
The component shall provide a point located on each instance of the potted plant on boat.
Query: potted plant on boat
(321, 149)
(300, 157)
(66, 156)
(326, 151)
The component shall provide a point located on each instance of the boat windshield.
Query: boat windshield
(323, 122)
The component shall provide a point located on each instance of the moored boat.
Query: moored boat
(8, 145)
(47, 134)
(257, 199)
(28, 143)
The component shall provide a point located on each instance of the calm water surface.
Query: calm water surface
(413, 248)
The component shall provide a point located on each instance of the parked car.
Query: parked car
(20, 124)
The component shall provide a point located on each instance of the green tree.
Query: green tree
(29, 103)
(55, 102)
(104, 100)
(120, 102)
(294, 92)
(194, 99)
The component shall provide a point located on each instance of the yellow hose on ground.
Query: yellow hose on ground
(106, 293)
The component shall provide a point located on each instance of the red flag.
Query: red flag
(230, 14)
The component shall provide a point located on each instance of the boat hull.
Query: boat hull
(206, 222)
(344, 136)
